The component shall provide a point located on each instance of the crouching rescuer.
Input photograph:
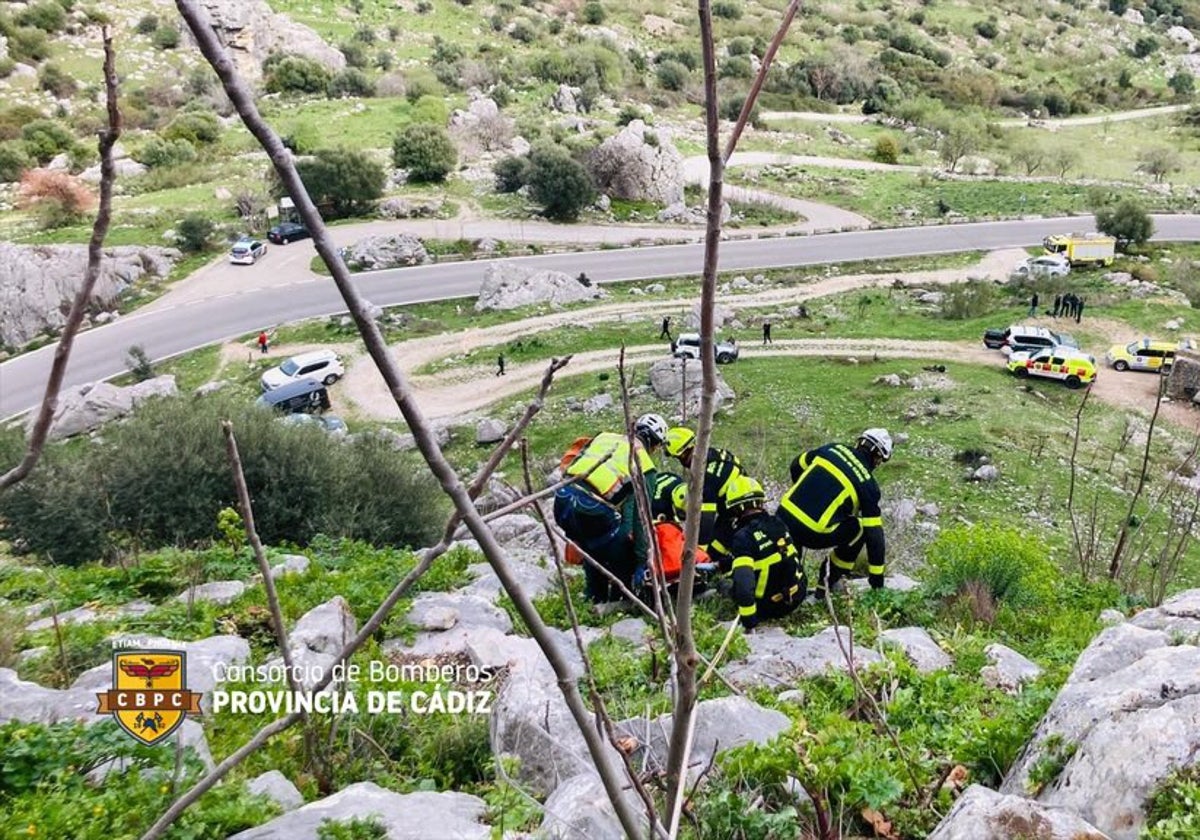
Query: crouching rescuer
(599, 512)
(834, 503)
(768, 578)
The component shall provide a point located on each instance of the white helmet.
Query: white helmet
(651, 428)
(877, 441)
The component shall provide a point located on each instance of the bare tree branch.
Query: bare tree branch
(789, 15)
(108, 174)
(1114, 565)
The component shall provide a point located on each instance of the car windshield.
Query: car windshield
(240, 248)
(1132, 347)
(289, 367)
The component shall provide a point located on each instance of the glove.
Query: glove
(749, 622)
(876, 581)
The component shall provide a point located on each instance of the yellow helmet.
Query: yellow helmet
(679, 498)
(679, 440)
(744, 492)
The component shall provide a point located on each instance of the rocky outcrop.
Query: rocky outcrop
(278, 788)
(88, 407)
(250, 32)
(217, 592)
(379, 252)
(1008, 670)
(410, 816)
(668, 380)
(508, 286)
(777, 660)
(918, 647)
(405, 208)
(38, 283)
(1127, 717)
(639, 163)
(318, 637)
(983, 814)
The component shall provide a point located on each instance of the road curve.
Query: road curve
(169, 330)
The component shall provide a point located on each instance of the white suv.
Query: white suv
(321, 365)
(688, 346)
(1046, 266)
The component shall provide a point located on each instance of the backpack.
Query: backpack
(579, 444)
(670, 550)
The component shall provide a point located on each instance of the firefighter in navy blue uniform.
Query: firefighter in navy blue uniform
(834, 503)
(721, 469)
(599, 512)
(768, 577)
(668, 497)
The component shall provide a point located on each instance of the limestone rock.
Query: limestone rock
(639, 163)
(88, 407)
(404, 208)
(490, 430)
(1129, 714)
(318, 637)
(1009, 670)
(218, 592)
(444, 610)
(292, 564)
(580, 807)
(406, 816)
(982, 814)
(507, 285)
(125, 168)
(722, 316)
(79, 615)
(38, 282)
(919, 647)
(375, 253)
(250, 32)
(667, 379)
(33, 703)
(632, 630)
(529, 569)
(278, 788)
(777, 659)
(596, 404)
(986, 473)
(563, 99)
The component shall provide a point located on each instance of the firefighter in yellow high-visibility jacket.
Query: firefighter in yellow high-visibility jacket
(599, 512)
(834, 503)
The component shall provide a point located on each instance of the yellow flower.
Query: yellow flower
(164, 789)
(31, 830)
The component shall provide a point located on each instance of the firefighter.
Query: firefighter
(834, 503)
(669, 498)
(599, 512)
(768, 577)
(720, 470)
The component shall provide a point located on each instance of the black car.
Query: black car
(286, 232)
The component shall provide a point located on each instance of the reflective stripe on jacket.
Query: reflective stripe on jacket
(611, 478)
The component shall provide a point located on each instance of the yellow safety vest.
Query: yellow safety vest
(613, 475)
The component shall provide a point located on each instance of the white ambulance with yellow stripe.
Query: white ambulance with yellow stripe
(1066, 364)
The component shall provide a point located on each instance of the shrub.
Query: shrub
(730, 108)
(48, 16)
(420, 83)
(1127, 221)
(426, 151)
(987, 28)
(13, 161)
(1007, 565)
(147, 24)
(671, 75)
(351, 82)
(196, 127)
(1145, 46)
(194, 232)
(972, 299)
(28, 45)
(7, 66)
(736, 67)
(56, 198)
(55, 81)
(295, 74)
(166, 37)
(726, 9)
(593, 13)
(887, 150)
(158, 152)
(630, 112)
(559, 183)
(342, 182)
(356, 54)
(139, 364)
(46, 138)
(511, 173)
(1183, 84)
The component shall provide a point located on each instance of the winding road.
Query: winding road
(281, 289)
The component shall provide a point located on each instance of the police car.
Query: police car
(1066, 364)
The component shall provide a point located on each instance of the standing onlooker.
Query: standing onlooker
(1078, 310)
(1057, 305)
(264, 342)
(500, 365)
(767, 333)
(665, 332)
(1033, 302)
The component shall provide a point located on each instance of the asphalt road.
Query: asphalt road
(167, 331)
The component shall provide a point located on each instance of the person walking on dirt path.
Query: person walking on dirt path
(665, 332)
(1033, 302)
(500, 365)
(1078, 310)
(767, 333)
(264, 342)
(1057, 305)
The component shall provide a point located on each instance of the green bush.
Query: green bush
(420, 83)
(55, 81)
(887, 150)
(7, 66)
(1127, 220)
(1173, 812)
(1010, 565)
(430, 110)
(973, 299)
(166, 37)
(28, 45)
(579, 65)
(511, 173)
(194, 232)
(671, 75)
(356, 54)
(13, 161)
(48, 16)
(593, 13)
(736, 67)
(731, 108)
(146, 24)
(726, 9)
(157, 152)
(1145, 46)
(987, 28)
(286, 73)
(13, 120)
(351, 82)
(426, 151)
(46, 138)
(343, 182)
(559, 183)
(196, 127)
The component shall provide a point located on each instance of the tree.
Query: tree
(426, 151)
(46, 138)
(962, 139)
(1127, 221)
(1028, 154)
(13, 161)
(295, 74)
(1159, 162)
(194, 232)
(342, 181)
(511, 173)
(56, 198)
(1183, 84)
(559, 183)
(1062, 160)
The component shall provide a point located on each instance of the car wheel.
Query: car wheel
(1166, 369)
(1021, 372)
(330, 379)
(1121, 365)
(1073, 382)
(724, 359)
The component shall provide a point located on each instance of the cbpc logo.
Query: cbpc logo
(149, 698)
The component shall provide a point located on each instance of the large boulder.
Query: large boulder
(88, 407)
(507, 285)
(278, 788)
(983, 814)
(38, 283)
(639, 163)
(386, 251)
(580, 807)
(250, 32)
(778, 660)
(669, 382)
(410, 816)
(318, 637)
(1127, 717)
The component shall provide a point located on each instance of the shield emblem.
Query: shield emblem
(149, 698)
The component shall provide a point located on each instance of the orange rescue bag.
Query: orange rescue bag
(670, 550)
